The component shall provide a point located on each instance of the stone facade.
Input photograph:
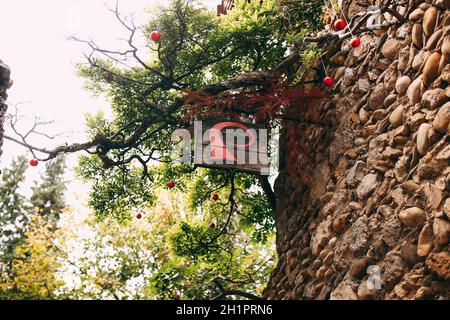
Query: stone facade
(363, 198)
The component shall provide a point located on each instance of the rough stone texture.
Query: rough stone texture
(425, 242)
(343, 291)
(391, 48)
(441, 230)
(440, 264)
(431, 68)
(415, 90)
(417, 36)
(446, 48)
(442, 120)
(402, 84)
(348, 227)
(429, 20)
(423, 139)
(396, 117)
(433, 99)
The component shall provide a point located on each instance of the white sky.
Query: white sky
(34, 44)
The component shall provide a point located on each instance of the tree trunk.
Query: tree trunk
(3, 108)
(5, 83)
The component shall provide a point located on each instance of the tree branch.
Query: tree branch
(267, 188)
(225, 293)
(239, 293)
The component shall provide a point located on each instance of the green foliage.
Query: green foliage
(251, 28)
(196, 48)
(96, 123)
(256, 217)
(115, 191)
(309, 57)
(27, 260)
(48, 195)
(191, 41)
(166, 281)
(33, 269)
(105, 260)
(13, 207)
(135, 259)
(221, 47)
(193, 240)
(295, 19)
(299, 15)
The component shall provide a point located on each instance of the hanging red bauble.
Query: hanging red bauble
(171, 184)
(339, 24)
(356, 42)
(34, 162)
(155, 35)
(328, 81)
(138, 216)
(215, 197)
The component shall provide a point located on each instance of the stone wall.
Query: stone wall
(5, 83)
(369, 189)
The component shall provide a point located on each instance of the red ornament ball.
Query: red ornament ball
(339, 24)
(356, 42)
(171, 184)
(34, 163)
(155, 35)
(328, 81)
(215, 197)
(138, 216)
